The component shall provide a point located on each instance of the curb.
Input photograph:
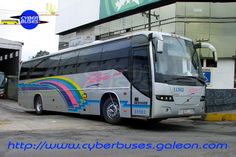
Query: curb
(220, 117)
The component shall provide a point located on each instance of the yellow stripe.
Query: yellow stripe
(220, 117)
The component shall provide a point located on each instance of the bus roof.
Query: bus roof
(98, 42)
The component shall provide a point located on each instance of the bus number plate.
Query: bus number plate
(186, 111)
(139, 112)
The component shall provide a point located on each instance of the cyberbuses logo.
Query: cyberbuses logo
(29, 19)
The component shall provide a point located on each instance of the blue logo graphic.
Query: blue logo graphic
(29, 19)
(207, 76)
(179, 90)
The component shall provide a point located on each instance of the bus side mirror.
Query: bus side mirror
(159, 48)
(209, 46)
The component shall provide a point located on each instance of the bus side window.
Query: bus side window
(25, 68)
(67, 63)
(37, 70)
(52, 63)
(116, 55)
(89, 59)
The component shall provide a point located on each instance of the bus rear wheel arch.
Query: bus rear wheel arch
(110, 108)
(38, 105)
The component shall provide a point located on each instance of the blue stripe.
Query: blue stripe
(126, 105)
(93, 101)
(34, 87)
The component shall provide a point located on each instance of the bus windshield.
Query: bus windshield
(2, 80)
(178, 59)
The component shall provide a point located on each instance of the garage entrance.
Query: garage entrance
(10, 54)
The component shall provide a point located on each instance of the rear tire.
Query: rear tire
(111, 111)
(38, 104)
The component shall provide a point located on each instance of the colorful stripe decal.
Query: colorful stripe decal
(70, 91)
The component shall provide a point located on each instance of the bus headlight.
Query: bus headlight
(164, 97)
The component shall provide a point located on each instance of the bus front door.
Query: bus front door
(141, 83)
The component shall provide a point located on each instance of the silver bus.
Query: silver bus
(149, 75)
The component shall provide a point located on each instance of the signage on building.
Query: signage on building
(81, 40)
(207, 75)
(113, 7)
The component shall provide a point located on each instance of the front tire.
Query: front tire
(38, 105)
(111, 111)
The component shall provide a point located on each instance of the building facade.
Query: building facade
(215, 23)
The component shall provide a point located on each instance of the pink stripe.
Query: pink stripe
(68, 92)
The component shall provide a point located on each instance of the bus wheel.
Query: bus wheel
(38, 105)
(111, 111)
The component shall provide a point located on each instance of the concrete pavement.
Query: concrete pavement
(16, 124)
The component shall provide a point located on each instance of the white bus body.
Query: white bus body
(150, 75)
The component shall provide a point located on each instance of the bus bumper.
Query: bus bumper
(174, 110)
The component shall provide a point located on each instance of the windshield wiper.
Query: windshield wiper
(177, 78)
(198, 78)
(186, 78)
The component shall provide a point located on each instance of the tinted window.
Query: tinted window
(139, 40)
(116, 55)
(89, 59)
(68, 63)
(52, 65)
(211, 63)
(37, 70)
(25, 68)
(43, 67)
(141, 72)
